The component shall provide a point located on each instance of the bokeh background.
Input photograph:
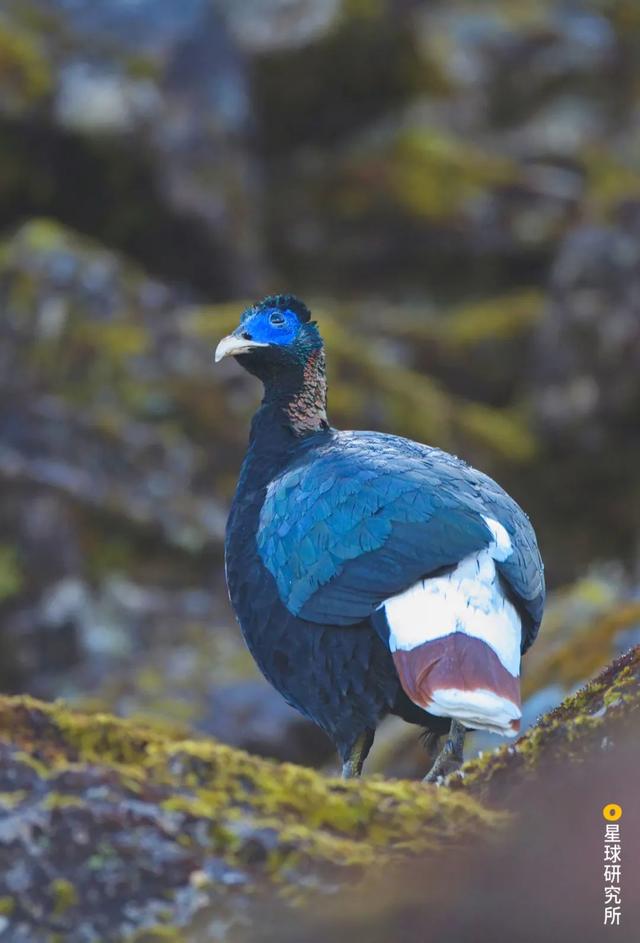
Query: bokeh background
(453, 187)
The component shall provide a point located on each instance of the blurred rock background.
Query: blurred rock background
(454, 187)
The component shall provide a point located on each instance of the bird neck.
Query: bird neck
(292, 415)
(297, 399)
(273, 442)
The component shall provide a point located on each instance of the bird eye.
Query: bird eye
(276, 318)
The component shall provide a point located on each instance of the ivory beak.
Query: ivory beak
(231, 345)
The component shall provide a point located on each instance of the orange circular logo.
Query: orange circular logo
(612, 812)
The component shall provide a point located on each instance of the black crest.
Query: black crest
(286, 303)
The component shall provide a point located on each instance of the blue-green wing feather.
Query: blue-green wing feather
(365, 515)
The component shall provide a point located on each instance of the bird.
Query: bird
(371, 574)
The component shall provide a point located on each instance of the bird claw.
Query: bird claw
(450, 757)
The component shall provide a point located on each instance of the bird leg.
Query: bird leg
(450, 757)
(354, 759)
(431, 743)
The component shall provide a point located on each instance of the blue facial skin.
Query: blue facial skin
(272, 326)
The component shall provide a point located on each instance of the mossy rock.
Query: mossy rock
(571, 659)
(139, 827)
(11, 575)
(25, 73)
(139, 820)
(586, 723)
(433, 175)
(318, 93)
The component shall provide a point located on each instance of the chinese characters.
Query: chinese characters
(612, 865)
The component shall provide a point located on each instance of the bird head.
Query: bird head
(275, 336)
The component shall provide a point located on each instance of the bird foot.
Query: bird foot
(450, 757)
(350, 770)
(354, 760)
(445, 763)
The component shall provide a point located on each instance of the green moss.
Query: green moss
(7, 906)
(24, 74)
(492, 320)
(433, 175)
(64, 896)
(584, 652)
(505, 432)
(114, 341)
(566, 735)
(158, 935)
(58, 800)
(9, 800)
(143, 67)
(609, 179)
(274, 825)
(24, 756)
(313, 818)
(11, 575)
(362, 9)
(417, 405)
(40, 235)
(335, 89)
(625, 16)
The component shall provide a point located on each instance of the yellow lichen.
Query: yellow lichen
(58, 800)
(158, 934)
(567, 733)
(7, 906)
(609, 180)
(9, 800)
(434, 175)
(24, 74)
(11, 575)
(64, 896)
(312, 817)
(583, 652)
(491, 320)
(275, 821)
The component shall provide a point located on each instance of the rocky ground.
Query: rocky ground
(118, 454)
(111, 830)
(464, 220)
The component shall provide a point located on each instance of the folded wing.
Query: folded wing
(437, 555)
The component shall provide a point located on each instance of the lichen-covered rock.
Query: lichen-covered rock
(583, 390)
(603, 713)
(266, 142)
(588, 348)
(544, 871)
(108, 827)
(25, 77)
(80, 81)
(572, 656)
(96, 368)
(443, 182)
(490, 131)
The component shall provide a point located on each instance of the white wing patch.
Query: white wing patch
(501, 547)
(469, 599)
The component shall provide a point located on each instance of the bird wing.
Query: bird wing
(365, 515)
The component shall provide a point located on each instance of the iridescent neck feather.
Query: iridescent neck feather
(306, 409)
